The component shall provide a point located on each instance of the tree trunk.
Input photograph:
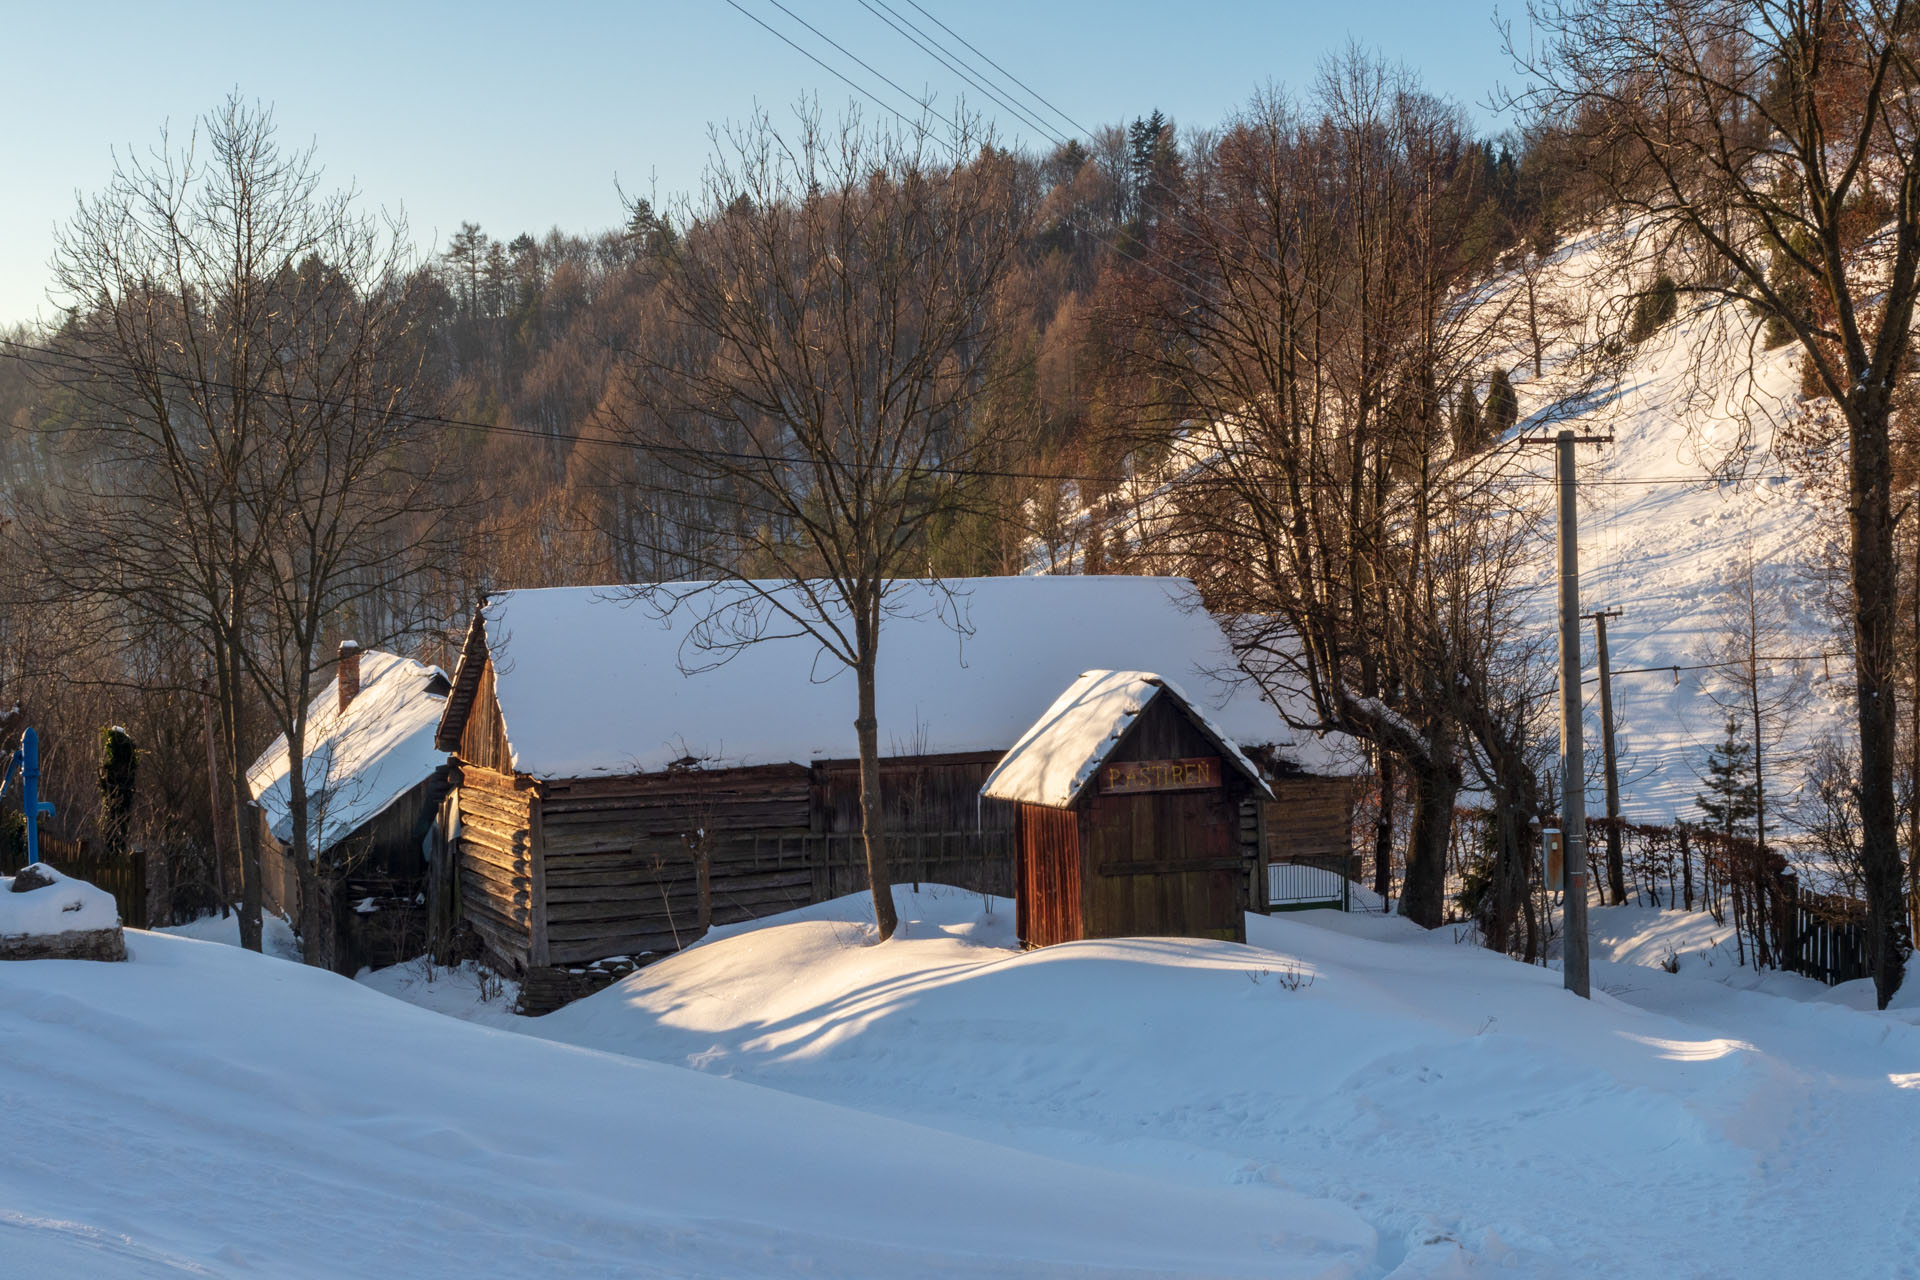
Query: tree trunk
(1686, 868)
(315, 918)
(213, 806)
(246, 831)
(1423, 890)
(1871, 520)
(1383, 830)
(873, 834)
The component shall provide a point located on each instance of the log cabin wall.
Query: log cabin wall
(1310, 818)
(495, 858)
(644, 863)
(1166, 862)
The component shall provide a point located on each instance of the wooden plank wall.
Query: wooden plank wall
(920, 793)
(939, 829)
(1310, 818)
(495, 858)
(1048, 904)
(483, 738)
(623, 856)
(1166, 863)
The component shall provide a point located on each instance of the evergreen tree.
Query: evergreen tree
(465, 257)
(1731, 800)
(1654, 308)
(1466, 420)
(1503, 406)
(119, 770)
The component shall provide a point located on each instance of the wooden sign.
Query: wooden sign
(1196, 774)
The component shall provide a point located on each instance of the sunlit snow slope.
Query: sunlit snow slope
(1664, 542)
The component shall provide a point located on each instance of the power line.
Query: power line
(925, 44)
(1110, 239)
(1676, 669)
(1003, 71)
(66, 362)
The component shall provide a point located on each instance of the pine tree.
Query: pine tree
(1503, 406)
(1731, 800)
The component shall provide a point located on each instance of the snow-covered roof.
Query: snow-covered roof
(601, 680)
(363, 759)
(1056, 758)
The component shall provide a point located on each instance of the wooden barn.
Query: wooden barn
(1131, 817)
(635, 765)
(375, 781)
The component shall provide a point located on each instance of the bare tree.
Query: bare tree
(350, 502)
(236, 337)
(1309, 318)
(1779, 141)
(1753, 677)
(804, 409)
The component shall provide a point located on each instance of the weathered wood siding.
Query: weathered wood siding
(625, 858)
(1166, 863)
(495, 855)
(1048, 903)
(1310, 818)
(939, 829)
(483, 737)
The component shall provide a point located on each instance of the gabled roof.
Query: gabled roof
(1059, 755)
(613, 680)
(363, 759)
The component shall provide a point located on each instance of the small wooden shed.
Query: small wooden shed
(1135, 817)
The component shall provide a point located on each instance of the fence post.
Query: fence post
(139, 857)
(1789, 918)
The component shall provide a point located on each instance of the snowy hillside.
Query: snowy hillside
(1692, 486)
(1664, 542)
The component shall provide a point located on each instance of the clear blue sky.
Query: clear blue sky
(520, 116)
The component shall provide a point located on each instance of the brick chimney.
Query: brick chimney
(349, 672)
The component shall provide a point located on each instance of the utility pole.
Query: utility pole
(1616, 872)
(1573, 799)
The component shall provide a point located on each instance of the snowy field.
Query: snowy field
(1346, 1097)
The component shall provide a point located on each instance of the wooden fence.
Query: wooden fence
(1776, 924)
(1825, 937)
(124, 875)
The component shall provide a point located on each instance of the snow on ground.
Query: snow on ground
(1347, 1096)
(276, 935)
(466, 991)
(1662, 537)
(209, 1111)
(1462, 1104)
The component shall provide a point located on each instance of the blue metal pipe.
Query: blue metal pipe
(30, 799)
